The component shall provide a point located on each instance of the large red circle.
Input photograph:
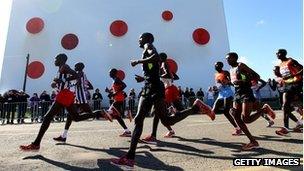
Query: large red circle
(119, 28)
(173, 67)
(35, 69)
(69, 41)
(121, 74)
(35, 25)
(201, 36)
(167, 15)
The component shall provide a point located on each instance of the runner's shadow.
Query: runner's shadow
(279, 139)
(236, 148)
(64, 165)
(144, 159)
(182, 147)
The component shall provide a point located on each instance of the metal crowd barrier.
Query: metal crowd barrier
(31, 112)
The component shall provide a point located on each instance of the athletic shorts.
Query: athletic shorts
(243, 95)
(154, 91)
(171, 94)
(65, 97)
(295, 91)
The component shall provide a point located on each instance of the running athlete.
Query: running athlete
(244, 101)
(152, 98)
(172, 99)
(225, 97)
(64, 99)
(281, 86)
(291, 72)
(81, 86)
(256, 86)
(118, 96)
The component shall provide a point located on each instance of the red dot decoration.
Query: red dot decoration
(167, 15)
(35, 70)
(173, 67)
(201, 36)
(35, 25)
(69, 41)
(119, 28)
(121, 74)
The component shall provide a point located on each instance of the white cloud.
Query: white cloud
(260, 22)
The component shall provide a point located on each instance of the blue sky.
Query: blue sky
(257, 28)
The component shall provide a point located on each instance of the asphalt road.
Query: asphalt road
(200, 144)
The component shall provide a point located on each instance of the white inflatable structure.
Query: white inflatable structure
(104, 34)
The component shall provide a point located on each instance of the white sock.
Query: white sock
(65, 133)
(127, 130)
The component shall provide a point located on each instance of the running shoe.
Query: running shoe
(170, 134)
(126, 134)
(149, 140)
(269, 111)
(30, 147)
(283, 131)
(250, 146)
(123, 162)
(204, 109)
(60, 139)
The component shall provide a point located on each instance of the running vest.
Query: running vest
(236, 75)
(117, 90)
(287, 69)
(221, 77)
(64, 84)
(224, 89)
(81, 89)
(151, 70)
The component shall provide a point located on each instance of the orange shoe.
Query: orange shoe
(169, 134)
(149, 140)
(283, 132)
(204, 109)
(250, 146)
(267, 109)
(30, 147)
(126, 134)
(124, 163)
